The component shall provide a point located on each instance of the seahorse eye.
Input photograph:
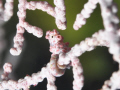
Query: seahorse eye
(51, 36)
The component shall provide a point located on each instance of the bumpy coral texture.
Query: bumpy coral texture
(63, 57)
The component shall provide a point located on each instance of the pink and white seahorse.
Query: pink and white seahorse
(56, 47)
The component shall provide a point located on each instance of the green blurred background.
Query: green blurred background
(98, 64)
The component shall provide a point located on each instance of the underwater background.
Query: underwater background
(98, 65)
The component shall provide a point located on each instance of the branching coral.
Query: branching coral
(64, 56)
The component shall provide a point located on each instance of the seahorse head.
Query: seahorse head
(54, 37)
